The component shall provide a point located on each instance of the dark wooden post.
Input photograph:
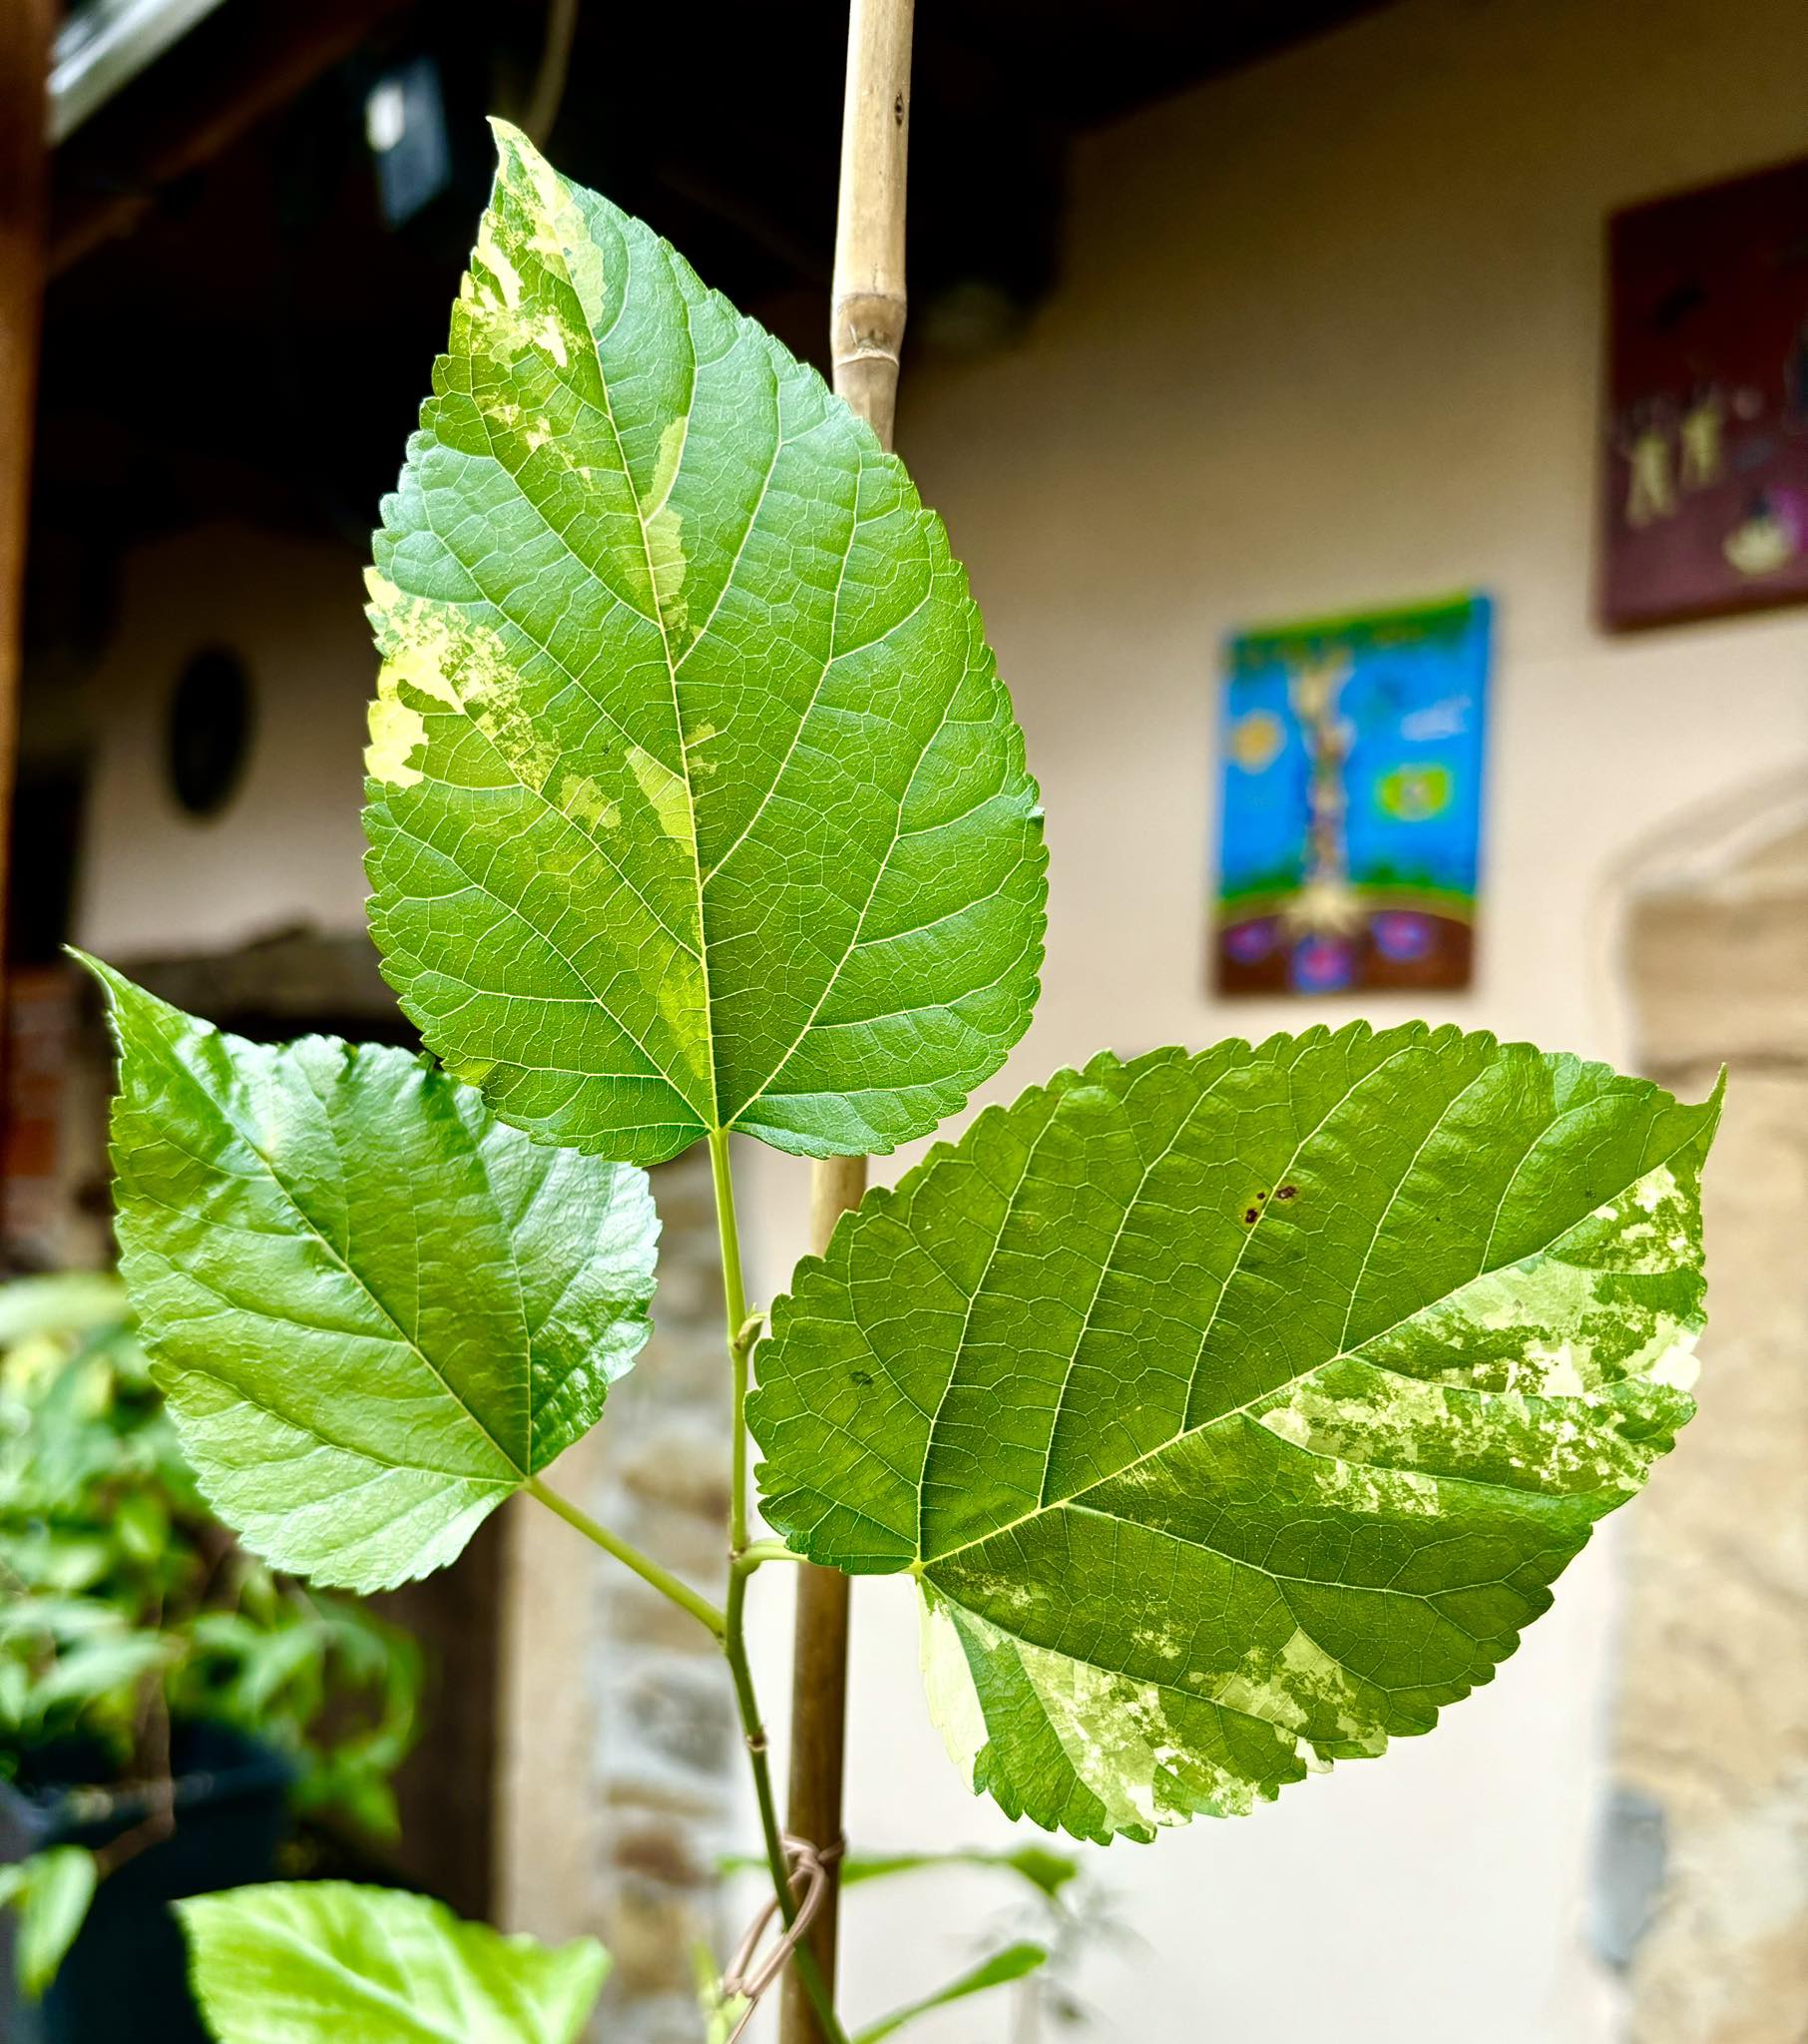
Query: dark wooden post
(26, 28)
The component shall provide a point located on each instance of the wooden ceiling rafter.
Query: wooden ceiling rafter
(237, 68)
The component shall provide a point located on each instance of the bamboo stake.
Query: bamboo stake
(866, 333)
(866, 326)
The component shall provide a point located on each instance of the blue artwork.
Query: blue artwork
(1351, 827)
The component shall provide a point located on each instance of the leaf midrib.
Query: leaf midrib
(714, 1121)
(926, 1563)
(1045, 1503)
(310, 1226)
(460, 1404)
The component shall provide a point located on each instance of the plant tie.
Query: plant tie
(807, 1868)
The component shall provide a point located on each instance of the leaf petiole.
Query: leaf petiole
(756, 1552)
(644, 1566)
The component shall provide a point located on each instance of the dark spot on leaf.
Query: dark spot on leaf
(1249, 1213)
(1262, 1196)
(862, 1377)
(1286, 1191)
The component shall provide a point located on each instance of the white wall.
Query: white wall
(1330, 336)
(287, 848)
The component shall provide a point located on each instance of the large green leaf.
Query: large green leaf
(695, 800)
(374, 1311)
(323, 1962)
(1238, 1408)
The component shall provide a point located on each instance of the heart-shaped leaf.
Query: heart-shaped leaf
(323, 1962)
(1239, 1409)
(696, 799)
(374, 1311)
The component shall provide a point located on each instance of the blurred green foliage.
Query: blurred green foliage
(126, 1608)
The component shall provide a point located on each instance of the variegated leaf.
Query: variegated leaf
(695, 800)
(1236, 1411)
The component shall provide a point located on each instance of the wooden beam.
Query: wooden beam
(26, 28)
(239, 66)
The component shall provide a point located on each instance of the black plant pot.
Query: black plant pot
(126, 1975)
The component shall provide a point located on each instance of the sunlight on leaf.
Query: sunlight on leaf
(323, 1962)
(695, 800)
(1237, 1411)
(375, 1312)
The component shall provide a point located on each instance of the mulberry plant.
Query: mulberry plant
(1235, 1410)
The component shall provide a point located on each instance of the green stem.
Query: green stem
(757, 1551)
(734, 1299)
(741, 1335)
(643, 1565)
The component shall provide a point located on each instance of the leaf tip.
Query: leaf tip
(119, 992)
(508, 136)
(515, 149)
(97, 968)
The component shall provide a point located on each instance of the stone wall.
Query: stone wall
(1707, 1882)
(620, 1787)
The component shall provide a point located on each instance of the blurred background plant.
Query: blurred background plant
(131, 1621)
(1056, 1910)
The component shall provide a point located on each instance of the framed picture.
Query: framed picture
(1704, 501)
(1350, 835)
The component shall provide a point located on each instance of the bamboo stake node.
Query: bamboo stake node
(868, 303)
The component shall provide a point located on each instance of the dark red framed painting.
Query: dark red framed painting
(1705, 465)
